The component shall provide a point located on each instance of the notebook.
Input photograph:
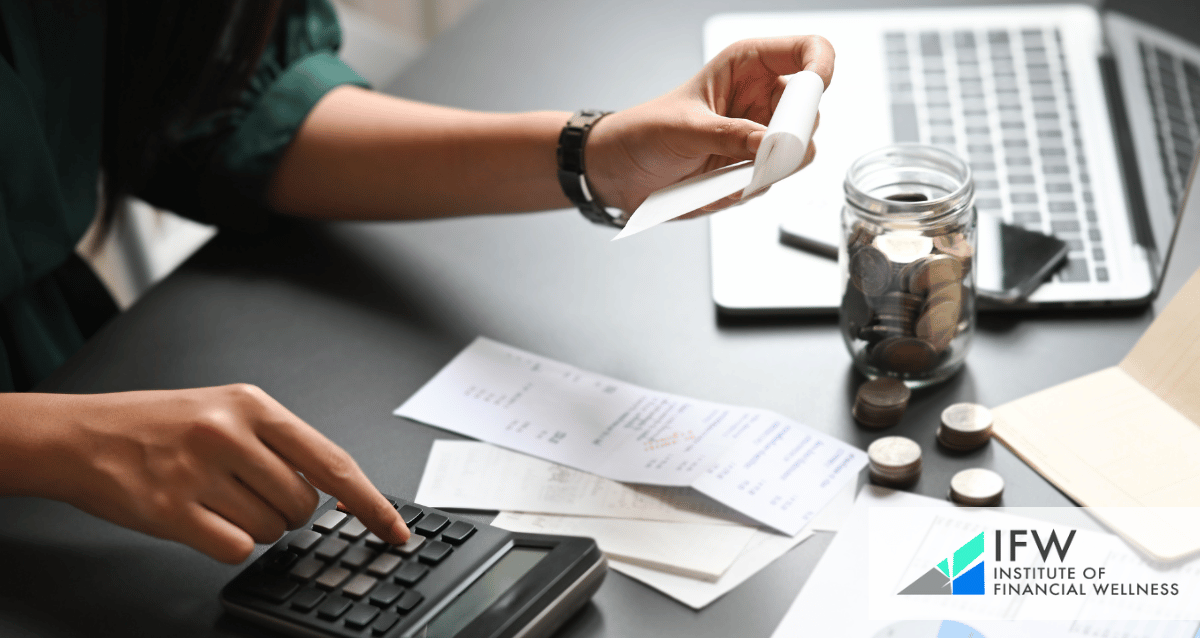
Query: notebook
(1077, 122)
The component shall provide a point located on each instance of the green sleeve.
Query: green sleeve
(219, 174)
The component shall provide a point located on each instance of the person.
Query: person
(231, 112)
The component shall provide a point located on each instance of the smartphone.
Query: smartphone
(1010, 261)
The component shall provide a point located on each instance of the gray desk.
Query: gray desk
(343, 322)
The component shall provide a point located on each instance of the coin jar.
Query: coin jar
(908, 238)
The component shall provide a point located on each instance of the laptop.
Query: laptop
(1076, 121)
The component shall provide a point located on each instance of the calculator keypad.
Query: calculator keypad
(339, 579)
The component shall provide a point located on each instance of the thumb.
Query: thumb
(732, 137)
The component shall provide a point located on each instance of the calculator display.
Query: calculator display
(484, 591)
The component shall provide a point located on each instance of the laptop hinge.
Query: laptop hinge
(1135, 197)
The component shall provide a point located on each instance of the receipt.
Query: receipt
(780, 154)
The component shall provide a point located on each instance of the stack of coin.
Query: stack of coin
(895, 461)
(977, 487)
(965, 427)
(880, 403)
(904, 301)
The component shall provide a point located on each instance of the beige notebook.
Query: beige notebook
(1126, 440)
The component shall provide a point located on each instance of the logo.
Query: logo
(960, 574)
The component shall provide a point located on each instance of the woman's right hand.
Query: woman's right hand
(217, 469)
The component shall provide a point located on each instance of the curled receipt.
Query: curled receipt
(780, 154)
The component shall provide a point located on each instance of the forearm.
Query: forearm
(31, 445)
(365, 155)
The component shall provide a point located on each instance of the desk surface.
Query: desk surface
(342, 322)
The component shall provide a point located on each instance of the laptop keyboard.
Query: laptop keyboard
(1002, 99)
(1174, 88)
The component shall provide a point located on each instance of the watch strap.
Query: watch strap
(572, 174)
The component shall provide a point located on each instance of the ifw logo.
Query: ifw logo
(960, 574)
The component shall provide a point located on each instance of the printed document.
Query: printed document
(762, 464)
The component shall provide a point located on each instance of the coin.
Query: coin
(880, 403)
(879, 332)
(932, 271)
(956, 245)
(977, 487)
(938, 325)
(905, 354)
(965, 427)
(897, 300)
(952, 292)
(903, 246)
(894, 460)
(856, 310)
(967, 418)
(870, 271)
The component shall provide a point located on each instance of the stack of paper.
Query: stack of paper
(761, 464)
(673, 539)
(673, 489)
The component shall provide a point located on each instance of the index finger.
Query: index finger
(331, 469)
(792, 54)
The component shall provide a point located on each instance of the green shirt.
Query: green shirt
(51, 92)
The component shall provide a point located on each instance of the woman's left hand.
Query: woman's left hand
(716, 118)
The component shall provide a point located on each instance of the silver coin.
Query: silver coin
(894, 452)
(903, 246)
(976, 486)
(967, 418)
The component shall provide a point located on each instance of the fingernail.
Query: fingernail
(754, 140)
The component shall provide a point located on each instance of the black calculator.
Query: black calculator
(452, 578)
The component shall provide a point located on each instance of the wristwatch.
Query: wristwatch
(571, 170)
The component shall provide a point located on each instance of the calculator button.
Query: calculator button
(272, 588)
(359, 586)
(306, 568)
(331, 548)
(411, 514)
(361, 616)
(329, 521)
(386, 594)
(384, 564)
(307, 599)
(333, 577)
(374, 541)
(304, 541)
(384, 623)
(357, 556)
(395, 505)
(353, 529)
(458, 532)
(334, 607)
(408, 601)
(410, 573)
(432, 524)
(280, 562)
(414, 543)
(434, 552)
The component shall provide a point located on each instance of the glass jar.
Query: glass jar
(908, 238)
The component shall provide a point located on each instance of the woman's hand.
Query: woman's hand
(715, 119)
(218, 469)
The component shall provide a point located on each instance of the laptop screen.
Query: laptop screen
(1180, 17)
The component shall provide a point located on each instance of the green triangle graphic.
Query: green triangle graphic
(967, 554)
(944, 566)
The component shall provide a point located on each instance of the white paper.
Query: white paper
(762, 550)
(779, 155)
(692, 550)
(834, 599)
(482, 476)
(764, 465)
